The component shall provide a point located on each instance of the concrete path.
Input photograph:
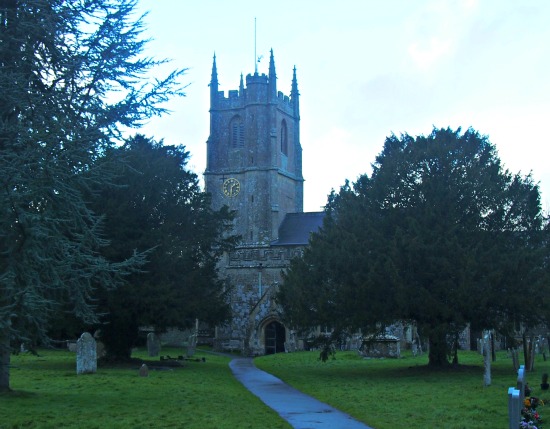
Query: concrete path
(300, 410)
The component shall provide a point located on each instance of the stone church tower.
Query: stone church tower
(254, 157)
(254, 166)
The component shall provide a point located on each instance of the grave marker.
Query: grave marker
(86, 354)
(144, 371)
(514, 408)
(521, 383)
(486, 359)
(153, 344)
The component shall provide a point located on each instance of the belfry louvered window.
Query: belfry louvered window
(284, 138)
(237, 132)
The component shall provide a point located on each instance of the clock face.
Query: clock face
(231, 187)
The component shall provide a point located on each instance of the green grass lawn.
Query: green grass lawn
(49, 394)
(386, 393)
(403, 393)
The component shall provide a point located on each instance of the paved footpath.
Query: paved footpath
(300, 410)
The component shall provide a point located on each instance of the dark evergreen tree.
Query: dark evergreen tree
(155, 205)
(72, 74)
(439, 235)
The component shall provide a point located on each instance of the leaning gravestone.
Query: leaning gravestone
(86, 354)
(153, 344)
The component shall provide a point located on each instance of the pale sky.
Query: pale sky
(367, 69)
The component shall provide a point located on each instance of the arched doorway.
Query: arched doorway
(275, 334)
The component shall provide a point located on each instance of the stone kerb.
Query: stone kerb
(86, 354)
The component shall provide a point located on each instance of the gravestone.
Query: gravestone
(153, 344)
(414, 348)
(354, 343)
(514, 408)
(191, 344)
(86, 354)
(190, 351)
(521, 383)
(100, 349)
(144, 371)
(487, 359)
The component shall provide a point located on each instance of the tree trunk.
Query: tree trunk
(5, 353)
(532, 354)
(438, 348)
(515, 359)
(528, 351)
(119, 337)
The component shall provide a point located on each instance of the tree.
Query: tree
(439, 235)
(73, 78)
(155, 205)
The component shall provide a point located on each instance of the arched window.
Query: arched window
(284, 138)
(236, 129)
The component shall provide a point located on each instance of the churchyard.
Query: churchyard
(384, 393)
(49, 394)
(404, 393)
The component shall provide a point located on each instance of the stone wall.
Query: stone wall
(255, 273)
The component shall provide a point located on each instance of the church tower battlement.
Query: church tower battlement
(254, 155)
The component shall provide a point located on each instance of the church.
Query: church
(254, 166)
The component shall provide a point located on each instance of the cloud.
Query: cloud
(426, 54)
(436, 28)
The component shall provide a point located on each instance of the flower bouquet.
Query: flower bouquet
(530, 417)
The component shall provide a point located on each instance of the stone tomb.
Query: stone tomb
(86, 354)
(383, 346)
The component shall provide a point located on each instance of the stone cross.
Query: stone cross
(86, 354)
(153, 344)
(514, 408)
